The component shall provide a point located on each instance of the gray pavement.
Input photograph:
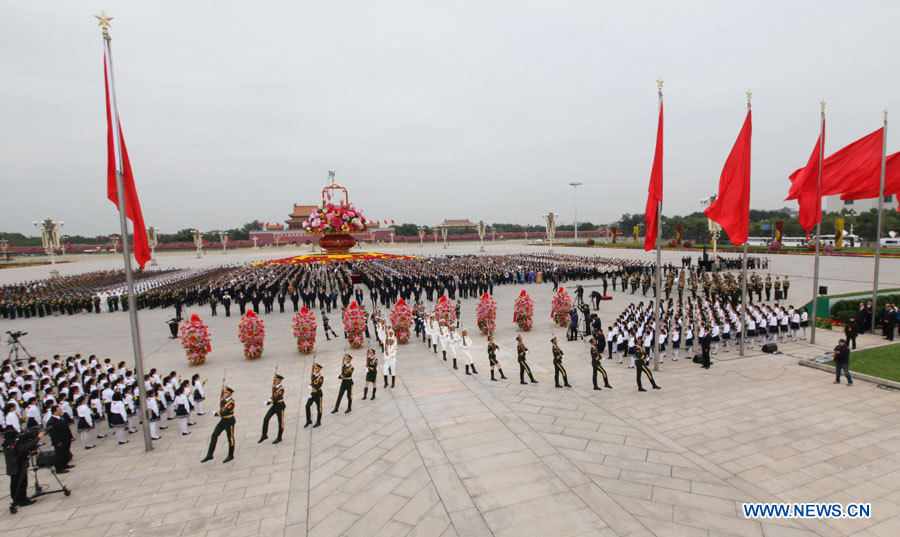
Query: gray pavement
(444, 453)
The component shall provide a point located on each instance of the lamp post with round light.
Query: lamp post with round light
(50, 229)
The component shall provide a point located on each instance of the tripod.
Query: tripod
(39, 490)
(15, 344)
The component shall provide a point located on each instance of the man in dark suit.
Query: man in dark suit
(61, 438)
(16, 449)
(705, 343)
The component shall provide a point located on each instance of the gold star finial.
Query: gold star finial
(749, 95)
(659, 85)
(822, 104)
(103, 21)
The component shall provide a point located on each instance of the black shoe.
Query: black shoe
(101, 436)
(201, 413)
(228, 459)
(567, 385)
(123, 442)
(596, 388)
(495, 380)
(334, 411)
(62, 471)
(641, 390)
(182, 434)
(534, 381)
(92, 446)
(657, 388)
(261, 439)
(557, 386)
(523, 382)
(70, 466)
(365, 397)
(318, 424)
(277, 440)
(607, 386)
(27, 501)
(308, 423)
(347, 411)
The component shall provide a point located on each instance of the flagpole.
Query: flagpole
(744, 277)
(129, 276)
(656, 307)
(878, 228)
(815, 300)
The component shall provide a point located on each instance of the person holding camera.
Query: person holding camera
(16, 448)
(61, 438)
(842, 362)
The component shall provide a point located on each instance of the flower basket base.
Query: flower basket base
(337, 243)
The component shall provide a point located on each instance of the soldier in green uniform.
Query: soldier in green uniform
(521, 351)
(640, 364)
(346, 377)
(558, 367)
(276, 408)
(768, 287)
(778, 287)
(315, 396)
(492, 349)
(226, 425)
(596, 357)
(786, 285)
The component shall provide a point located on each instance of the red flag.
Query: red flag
(392, 221)
(227, 239)
(732, 206)
(837, 168)
(866, 180)
(655, 192)
(809, 195)
(132, 204)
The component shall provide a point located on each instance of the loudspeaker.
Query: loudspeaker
(769, 348)
(823, 290)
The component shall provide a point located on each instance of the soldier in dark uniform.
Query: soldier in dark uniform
(295, 298)
(346, 377)
(596, 357)
(521, 351)
(226, 302)
(558, 367)
(276, 409)
(640, 364)
(315, 396)
(213, 302)
(492, 349)
(371, 373)
(226, 425)
(281, 298)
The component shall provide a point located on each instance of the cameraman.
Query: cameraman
(16, 448)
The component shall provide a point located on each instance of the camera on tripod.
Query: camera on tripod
(32, 459)
(14, 336)
(15, 345)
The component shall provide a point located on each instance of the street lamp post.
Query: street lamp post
(482, 227)
(198, 242)
(222, 238)
(152, 241)
(575, 185)
(421, 237)
(62, 244)
(4, 248)
(550, 219)
(114, 240)
(255, 238)
(444, 234)
(50, 229)
(493, 234)
(392, 236)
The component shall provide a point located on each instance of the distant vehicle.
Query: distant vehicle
(759, 241)
(892, 242)
(849, 240)
(793, 242)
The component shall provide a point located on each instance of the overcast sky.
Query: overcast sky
(465, 109)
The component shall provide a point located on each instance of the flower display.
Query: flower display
(251, 332)
(775, 245)
(335, 218)
(401, 320)
(523, 312)
(445, 311)
(486, 314)
(304, 328)
(195, 340)
(355, 320)
(560, 308)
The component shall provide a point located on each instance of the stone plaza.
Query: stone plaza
(448, 454)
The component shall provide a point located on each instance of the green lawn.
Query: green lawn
(881, 362)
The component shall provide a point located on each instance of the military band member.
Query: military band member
(371, 373)
(521, 351)
(641, 368)
(492, 349)
(557, 365)
(226, 425)
(785, 285)
(276, 408)
(315, 396)
(346, 377)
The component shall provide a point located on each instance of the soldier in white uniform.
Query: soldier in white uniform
(389, 361)
(444, 338)
(453, 342)
(466, 343)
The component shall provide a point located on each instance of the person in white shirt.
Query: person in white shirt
(85, 421)
(444, 338)
(153, 412)
(804, 321)
(182, 410)
(465, 342)
(453, 342)
(676, 343)
(389, 360)
(118, 417)
(795, 323)
(714, 333)
(12, 417)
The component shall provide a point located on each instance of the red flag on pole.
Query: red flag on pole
(809, 195)
(732, 206)
(655, 191)
(837, 168)
(866, 180)
(132, 204)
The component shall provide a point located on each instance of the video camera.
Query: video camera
(14, 336)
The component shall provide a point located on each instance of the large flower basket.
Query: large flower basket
(195, 340)
(445, 311)
(354, 324)
(252, 333)
(335, 222)
(560, 308)
(304, 328)
(401, 320)
(523, 312)
(486, 314)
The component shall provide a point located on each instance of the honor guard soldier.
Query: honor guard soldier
(492, 349)
(315, 396)
(558, 367)
(346, 377)
(226, 424)
(640, 364)
(521, 351)
(371, 373)
(596, 357)
(276, 408)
